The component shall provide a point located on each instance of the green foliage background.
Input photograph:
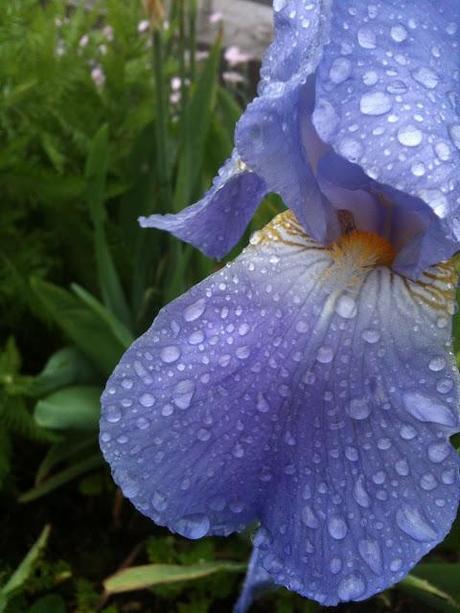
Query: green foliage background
(79, 162)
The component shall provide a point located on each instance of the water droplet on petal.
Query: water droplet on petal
(193, 526)
(113, 414)
(372, 554)
(371, 336)
(309, 518)
(410, 136)
(399, 33)
(360, 494)
(411, 521)
(438, 452)
(346, 307)
(170, 354)
(159, 502)
(262, 404)
(428, 409)
(337, 528)
(351, 588)
(437, 364)
(183, 394)
(358, 408)
(195, 310)
(147, 400)
(325, 355)
(375, 103)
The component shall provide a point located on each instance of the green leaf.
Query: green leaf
(72, 447)
(65, 367)
(120, 330)
(196, 123)
(87, 329)
(429, 593)
(49, 604)
(444, 576)
(76, 408)
(97, 166)
(19, 578)
(10, 359)
(150, 575)
(63, 477)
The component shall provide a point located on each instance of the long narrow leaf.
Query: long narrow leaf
(142, 577)
(196, 125)
(18, 579)
(96, 177)
(87, 329)
(60, 479)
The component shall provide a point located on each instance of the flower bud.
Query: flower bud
(155, 12)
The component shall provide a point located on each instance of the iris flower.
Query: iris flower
(309, 387)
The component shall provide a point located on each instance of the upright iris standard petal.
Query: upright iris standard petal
(387, 99)
(302, 388)
(216, 223)
(275, 136)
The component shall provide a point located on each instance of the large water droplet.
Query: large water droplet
(360, 494)
(438, 452)
(147, 400)
(170, 354)
(346, 307)
(351, 588)
(428, 409)
(113, 414)
(426, 77)
(340, 70)
(195, 310)
(398, 33)
(410, 136)
(371, 553)
(183, 394)
(337, 528)
(193, 526)
(325, 355)
(375, 103)
(358, 408)
(159, 502)
(437, 364)
(367, 38)
(309, 518)
(411, 521)
(371, 336)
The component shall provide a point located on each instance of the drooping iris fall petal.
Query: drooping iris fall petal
(311, 389)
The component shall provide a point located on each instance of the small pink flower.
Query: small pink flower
(108, 33)
(98, 76)
(176, 83)
(234, 56)
(175, 97)
(143, 26)
(200, 56)
(231, 76)
(84, 40)
(215, 17)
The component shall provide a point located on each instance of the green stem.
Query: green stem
(182, 53)
(161, 124)
(192, 28)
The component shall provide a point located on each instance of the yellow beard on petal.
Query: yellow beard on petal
(354, 254)
(363, 250)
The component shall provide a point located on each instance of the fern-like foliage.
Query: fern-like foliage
(15, 418)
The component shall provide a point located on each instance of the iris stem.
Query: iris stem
(192, 28)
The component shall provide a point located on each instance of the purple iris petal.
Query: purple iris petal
(216, 223)
(303, 390)
(387, 99)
